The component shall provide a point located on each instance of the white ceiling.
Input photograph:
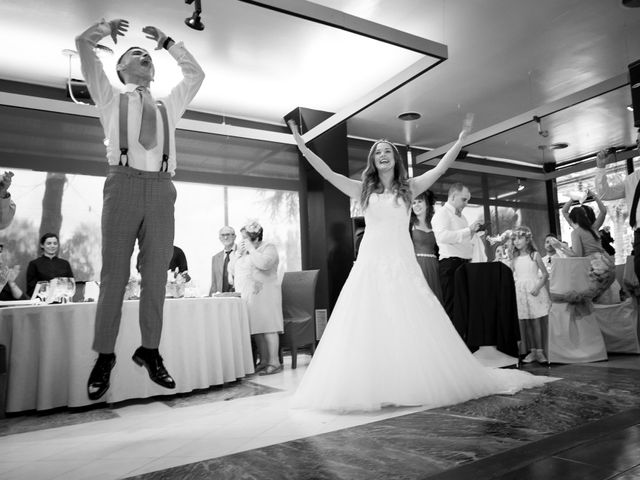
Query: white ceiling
(505, 57)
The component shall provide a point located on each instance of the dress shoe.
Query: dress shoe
(152, 361)
(98, 382)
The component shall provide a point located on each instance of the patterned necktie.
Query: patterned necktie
(225, 275)
(147, 138)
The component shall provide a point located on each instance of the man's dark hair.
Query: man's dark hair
(120, 60)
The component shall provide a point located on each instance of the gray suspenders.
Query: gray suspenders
(124, 137)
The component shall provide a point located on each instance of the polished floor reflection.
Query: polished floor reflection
(586, 425)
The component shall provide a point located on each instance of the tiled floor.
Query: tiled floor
(585, 426)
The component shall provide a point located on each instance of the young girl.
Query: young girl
(530, 277)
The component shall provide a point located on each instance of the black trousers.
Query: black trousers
(447, 268)
(636, 252)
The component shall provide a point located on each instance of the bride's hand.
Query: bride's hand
(467, 125)
(296, 134)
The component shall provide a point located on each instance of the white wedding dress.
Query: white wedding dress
(389, 341)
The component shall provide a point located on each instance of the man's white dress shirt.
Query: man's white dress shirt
(452, 233)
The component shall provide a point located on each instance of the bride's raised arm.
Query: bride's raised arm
(424, 181)
(346, 185)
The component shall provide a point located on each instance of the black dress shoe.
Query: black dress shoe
(152, 361)
(98, 382)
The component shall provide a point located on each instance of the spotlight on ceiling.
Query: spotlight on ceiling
(520, 185)
(408, 116)
(630, 108)
(194, 20)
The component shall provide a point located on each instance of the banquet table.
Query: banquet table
(205, 342)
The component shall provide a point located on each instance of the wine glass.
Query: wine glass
(68, 289)
(41, 291)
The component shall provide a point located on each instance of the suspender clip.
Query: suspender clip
(124, 158)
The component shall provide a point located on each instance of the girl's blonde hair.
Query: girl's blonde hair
(530, 246)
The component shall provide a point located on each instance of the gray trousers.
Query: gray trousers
(137, 205)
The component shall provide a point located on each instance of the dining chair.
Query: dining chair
(298, 309)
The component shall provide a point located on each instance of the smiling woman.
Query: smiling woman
(49, 265)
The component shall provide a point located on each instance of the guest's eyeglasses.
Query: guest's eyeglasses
(227, 235)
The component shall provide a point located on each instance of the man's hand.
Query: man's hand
(119, 26)
(475, 226)
(5, 183)
(535, 291)
(156, 35)
(601, 159)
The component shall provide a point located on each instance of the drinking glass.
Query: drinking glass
(68, 289)
(41, 291)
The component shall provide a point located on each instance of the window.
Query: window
(200, 213)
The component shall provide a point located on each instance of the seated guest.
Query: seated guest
(255, 273)
(178, 262)
(596, 221)
(220, 262)
(585, 242)
(47, 266)
(9, 288)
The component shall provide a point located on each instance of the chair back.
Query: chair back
(299, 293)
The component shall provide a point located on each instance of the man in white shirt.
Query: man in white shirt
(627, 189)
(139, 194)
(220, 262)
(453, 236)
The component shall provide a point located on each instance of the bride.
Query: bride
(389, 341)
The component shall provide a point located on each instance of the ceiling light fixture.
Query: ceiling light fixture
(409, 116)
(541, 132)
(520, 185)
(194, 20)
(558, 146)
(630, 108)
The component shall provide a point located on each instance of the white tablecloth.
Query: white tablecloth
(619, 326)
(573, 338)
(205, 341)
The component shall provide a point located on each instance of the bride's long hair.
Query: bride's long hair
(371, 180)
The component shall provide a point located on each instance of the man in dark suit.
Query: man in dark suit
(219, 262)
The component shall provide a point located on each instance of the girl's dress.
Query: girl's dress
(525, 275)
(378, 348)
(425, 247)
